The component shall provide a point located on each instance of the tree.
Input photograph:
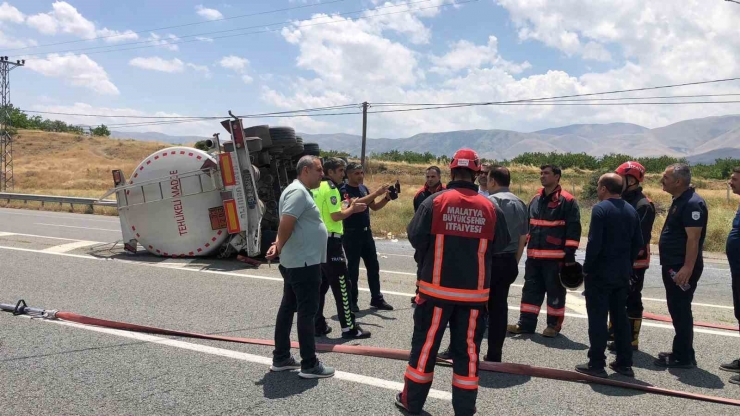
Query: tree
(201, 145)
(101, 131)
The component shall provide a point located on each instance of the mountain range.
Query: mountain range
(699, 140)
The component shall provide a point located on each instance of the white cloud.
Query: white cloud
(204, 39)
(78, 70)
(9, 13)
(208, 14)
(156, 63)
(644, 44)
(64, 18)
(465, 55)
(165, 42)
(113, 36)
(238, 65)
(201, 69)
(596, 52)
(199, 128)
(11, 42)
(234, 63)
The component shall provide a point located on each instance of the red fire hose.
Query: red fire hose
(396, 354)
(663, 318)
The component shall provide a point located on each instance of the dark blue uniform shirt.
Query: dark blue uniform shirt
(688, 210)
(614, 240)
(733, 245)
(358, 220)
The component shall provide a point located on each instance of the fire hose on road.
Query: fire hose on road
(396, 354)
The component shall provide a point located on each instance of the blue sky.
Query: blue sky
(425, 51)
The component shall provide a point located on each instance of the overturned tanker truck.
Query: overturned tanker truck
(185, 202)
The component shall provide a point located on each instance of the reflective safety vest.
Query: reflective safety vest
(452, 232)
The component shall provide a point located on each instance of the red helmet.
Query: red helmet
(633, 169)
(466, 158)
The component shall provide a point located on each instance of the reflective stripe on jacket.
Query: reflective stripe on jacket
(554, 225)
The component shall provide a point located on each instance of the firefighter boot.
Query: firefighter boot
(635, 325)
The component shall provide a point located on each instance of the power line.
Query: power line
(562, 96)
(187, 117)
(117, 48)
(182, 25)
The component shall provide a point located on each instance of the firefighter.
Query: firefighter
(432, 185)
(452, 234)
(633, 174)
(554, 236)
(334, 272)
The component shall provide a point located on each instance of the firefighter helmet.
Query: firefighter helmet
(633, 169)
(466, 158)
(571, 277)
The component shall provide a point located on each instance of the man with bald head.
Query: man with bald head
(614, 241)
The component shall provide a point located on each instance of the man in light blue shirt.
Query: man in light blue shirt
(483, 179)
(301, 245)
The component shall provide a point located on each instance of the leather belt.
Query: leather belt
(335, 235)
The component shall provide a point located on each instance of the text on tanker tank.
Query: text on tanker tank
(176, 188)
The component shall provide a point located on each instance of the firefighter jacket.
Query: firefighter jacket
(646, 211)
(424, 193)
(554, 226)
(454, 233)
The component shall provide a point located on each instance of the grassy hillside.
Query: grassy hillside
(67, 164)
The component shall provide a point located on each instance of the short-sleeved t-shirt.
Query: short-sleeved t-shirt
(329, 201)
(688, 210)
(307, 244)
(733, 245)
(358, 220)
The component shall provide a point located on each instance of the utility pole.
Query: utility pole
(365, 105)
(7, 181)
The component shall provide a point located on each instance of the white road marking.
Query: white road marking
(396, 255)
(11, 211)
(72, 226)
(277, 279)
(236, 355)
(576, 303)
(171, 264)
(64, 248)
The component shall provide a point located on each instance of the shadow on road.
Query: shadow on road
(501, 380)
(696, 377)
(560, 342)
(619, 391)
(284, 384)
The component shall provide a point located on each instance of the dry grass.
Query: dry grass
(68, 164)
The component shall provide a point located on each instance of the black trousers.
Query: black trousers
(634, 296)
(466, 333)
(333, 275)
(603, 300)
(736, 294)
(301, 295)
(360, 245)
(504, 271)
(540, 277)
(679, 306)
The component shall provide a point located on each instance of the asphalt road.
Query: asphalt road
(57, 368)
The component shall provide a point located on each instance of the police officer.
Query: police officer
(358, 237)
(432, 185)
(333, 273)
(733, 255)
(451, 233)
(633, 174)
(614, 240)
(554, 236)
(681, 244)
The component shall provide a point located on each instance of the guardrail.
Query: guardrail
(53, 199)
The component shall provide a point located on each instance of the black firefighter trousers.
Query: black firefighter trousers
(467, 326)
(334, 276)
(540, 277)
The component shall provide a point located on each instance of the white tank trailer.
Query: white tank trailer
(185, 202)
